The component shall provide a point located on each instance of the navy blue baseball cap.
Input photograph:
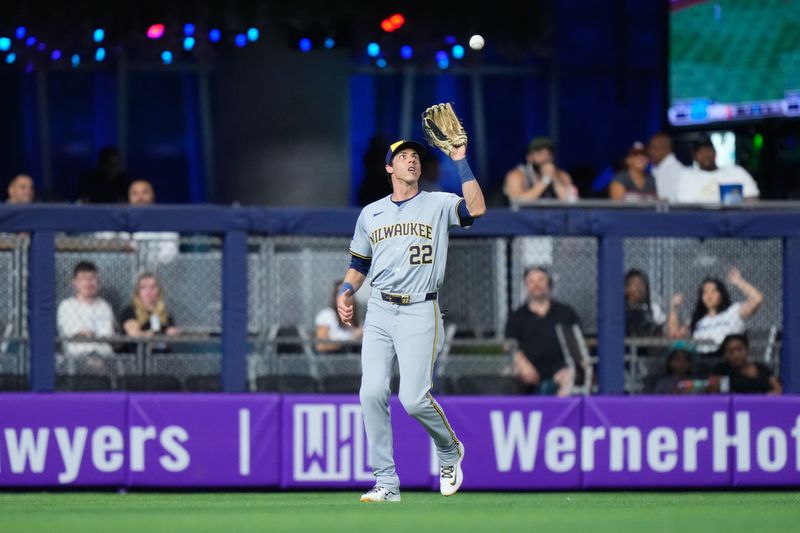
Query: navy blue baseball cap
(400, 145)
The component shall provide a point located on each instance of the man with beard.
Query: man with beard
(538, 359)
(704, 182)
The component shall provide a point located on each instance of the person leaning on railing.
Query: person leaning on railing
(715, 317)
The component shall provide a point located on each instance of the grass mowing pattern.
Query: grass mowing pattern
(326, 512)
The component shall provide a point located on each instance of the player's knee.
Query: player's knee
(414, 406)
(370, 392)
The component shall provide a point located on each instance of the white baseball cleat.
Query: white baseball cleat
(380, 494)
(451, 477)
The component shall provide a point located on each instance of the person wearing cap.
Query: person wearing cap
(400, 241)
(635, 183)
(539, 177)
(704, 182)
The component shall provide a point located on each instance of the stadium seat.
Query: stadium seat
(150, 383)
(203, 384)
(488, 385)
(80, 382)
(13, 382)
(342, 384)
(289, 383)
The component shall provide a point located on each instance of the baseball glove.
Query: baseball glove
(443, 128)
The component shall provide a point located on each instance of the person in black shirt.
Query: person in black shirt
(107, 183)
(538, 360)
(147, 315)
(745, 377)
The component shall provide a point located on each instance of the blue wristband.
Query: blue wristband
(464, 172)
(346, 287)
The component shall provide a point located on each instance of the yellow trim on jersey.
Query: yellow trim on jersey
(433, 361)
(458, 217)
(360, 256)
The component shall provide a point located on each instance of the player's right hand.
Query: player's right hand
(344, 306)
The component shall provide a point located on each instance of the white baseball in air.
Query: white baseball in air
(476, 42)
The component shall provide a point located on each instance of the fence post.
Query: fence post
(610, 315)
(234, 312)
(790, 345)
(42, 310)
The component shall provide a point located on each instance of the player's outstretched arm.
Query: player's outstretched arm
(353, 279)
(470, 188)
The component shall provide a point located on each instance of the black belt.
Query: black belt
(405, 299)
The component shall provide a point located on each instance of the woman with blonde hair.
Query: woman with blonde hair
(147, 315)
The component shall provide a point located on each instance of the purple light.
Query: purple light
(41, 47)
(450, 40)
(30, 41)
(441, 56)
(240, 40)
(56, 55)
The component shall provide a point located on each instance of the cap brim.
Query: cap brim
(414, 145)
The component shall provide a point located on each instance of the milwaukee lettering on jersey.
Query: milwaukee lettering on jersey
(404, 229)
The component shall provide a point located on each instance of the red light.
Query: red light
(156, 31)
(386, 25)
(397, 20)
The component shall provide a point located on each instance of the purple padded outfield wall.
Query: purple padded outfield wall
(318, 441)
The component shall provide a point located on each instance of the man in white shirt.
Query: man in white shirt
(85, 315)
(702, 182)
(666, 168)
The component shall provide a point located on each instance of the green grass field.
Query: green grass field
(327, 512)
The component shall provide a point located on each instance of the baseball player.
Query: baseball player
(402, 241)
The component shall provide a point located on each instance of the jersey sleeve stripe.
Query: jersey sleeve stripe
(364, 257)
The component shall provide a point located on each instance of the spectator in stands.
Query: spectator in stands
(375, 184)
(147, 314)
(678, 373)
(538, 360)
(107, 183)
(20, 190)
(539, 177)
(86, 316)
(429, 180)
(738, 374)
(704, 182)
(714, 316)
(154, 247)
(331, 335)
(635, 183)
(666, 168)
(643, 316)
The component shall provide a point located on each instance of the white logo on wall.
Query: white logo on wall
(329, 443)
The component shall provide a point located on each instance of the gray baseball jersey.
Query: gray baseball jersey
(408, 242)
(407, 245)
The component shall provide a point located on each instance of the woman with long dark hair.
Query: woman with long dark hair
(714, 316)
(643, 316)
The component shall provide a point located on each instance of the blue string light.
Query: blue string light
(252, 35)
(458, 51)
(98, 35)
(373, 49)
(76, 60)
(10, 58)
(406, 52)
(100, 54)
(305, 44)
(166, 57)
(21, 31)
(188, 29)
(214, 35)
(188, 44)
(240, 40)
(330, 43)
(5, 44)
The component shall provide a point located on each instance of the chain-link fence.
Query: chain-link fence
(679, 266)
(14, 311)
(138, 312)
(291, 279)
